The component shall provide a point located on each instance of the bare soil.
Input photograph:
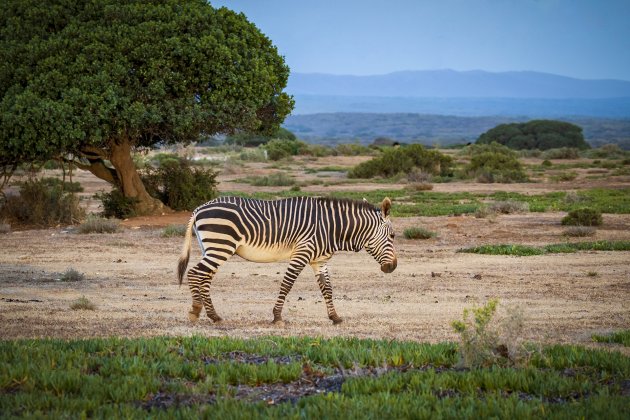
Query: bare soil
(130, 276)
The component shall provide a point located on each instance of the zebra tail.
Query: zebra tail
(183, 259)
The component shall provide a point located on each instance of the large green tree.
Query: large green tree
(92, 80)
(536, 134)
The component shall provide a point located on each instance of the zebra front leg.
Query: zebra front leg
(199, 280)
(296, 264)
(323, 279)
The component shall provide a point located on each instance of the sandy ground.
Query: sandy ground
(130, 276)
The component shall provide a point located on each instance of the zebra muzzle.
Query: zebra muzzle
(389, 267)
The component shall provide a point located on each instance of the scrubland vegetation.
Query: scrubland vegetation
(490, 371)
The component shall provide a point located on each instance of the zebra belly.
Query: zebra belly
(264, 254)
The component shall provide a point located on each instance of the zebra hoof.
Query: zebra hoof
(278, 322)
(336, 320)
(216, 319)
(193, 317)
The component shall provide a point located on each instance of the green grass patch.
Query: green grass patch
(569, 247)
(418, 233)
(621, 337)
(291, 377)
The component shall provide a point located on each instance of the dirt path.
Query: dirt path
(130, 276)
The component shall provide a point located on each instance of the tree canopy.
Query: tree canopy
(536, 134)
(90, 80)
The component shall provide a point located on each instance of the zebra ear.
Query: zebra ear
(386, 206)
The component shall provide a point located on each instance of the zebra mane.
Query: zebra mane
(359, 204)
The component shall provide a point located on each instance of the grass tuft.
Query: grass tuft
(72, 275)
(173, 231)
(82, 303)
(418, 233)
(620, 337)
(579, 231)
(99, 225)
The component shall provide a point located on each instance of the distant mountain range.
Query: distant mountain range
(457, 84)
(450, 106)
(466, 93)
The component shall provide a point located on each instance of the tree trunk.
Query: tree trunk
(129, 180)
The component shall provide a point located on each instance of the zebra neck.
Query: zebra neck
(352, 231)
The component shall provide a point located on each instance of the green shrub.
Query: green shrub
(40, 204)
(72, 275)
(546, 163)
(99, 225)
(276, 179)
(494, 163)
(82, 303)
(281, 149)
(607, 151)
(418, 233)
(180, 185)
(115, 204)
(404, 160)
(583, 217)
(64, 185)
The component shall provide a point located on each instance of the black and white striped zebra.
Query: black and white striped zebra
(303, 230)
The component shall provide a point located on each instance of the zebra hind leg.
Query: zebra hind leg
(295, 268)
(323, 279)
(199, 279)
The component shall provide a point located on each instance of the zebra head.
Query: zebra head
(381, 244)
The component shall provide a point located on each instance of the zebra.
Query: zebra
(304, 230)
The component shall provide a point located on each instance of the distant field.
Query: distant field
(365, 124)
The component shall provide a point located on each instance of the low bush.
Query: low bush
(494, 163)
(546, 163)
(486, 341)
(508, 207)
(99, 225)
(418, 233)
(64, 185)
(579, 231)
(404, 160)
(82, 303)
(115, 204)
(72, 275)
(584, 216)
(179, 185)
(40, 204)
(607, 151)
(281, 148)
(276, 179)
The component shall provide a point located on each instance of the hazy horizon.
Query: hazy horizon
(575, 38)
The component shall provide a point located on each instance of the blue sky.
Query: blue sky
(587, 39)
